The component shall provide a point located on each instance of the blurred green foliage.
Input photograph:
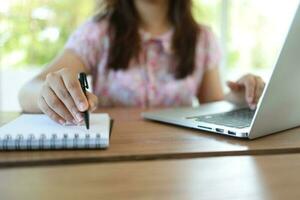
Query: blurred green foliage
(34, 31)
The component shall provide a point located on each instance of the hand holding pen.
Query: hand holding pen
(62, 97)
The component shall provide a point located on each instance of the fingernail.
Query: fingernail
(79, 117)
(249, 99)
(82, 106)
(80, 123)
(253, 106)
(62, 122)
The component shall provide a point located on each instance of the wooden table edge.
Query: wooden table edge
(137, 158)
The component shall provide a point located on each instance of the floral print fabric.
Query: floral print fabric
(149, 82)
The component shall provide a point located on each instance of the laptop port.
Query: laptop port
(231, 133)
(204, 127)
(219, 130)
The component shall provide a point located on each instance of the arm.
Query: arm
(211, 87)
(247, 90)
(56, 90)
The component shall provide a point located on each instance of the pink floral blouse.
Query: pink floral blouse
(149, 83)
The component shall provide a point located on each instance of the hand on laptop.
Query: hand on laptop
(249, 87)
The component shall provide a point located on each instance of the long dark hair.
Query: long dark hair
(125, 40)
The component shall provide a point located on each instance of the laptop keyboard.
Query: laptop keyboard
(241, 118)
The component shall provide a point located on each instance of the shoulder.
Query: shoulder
(88, 35)
(206, 37)
(208, 50)
(92, 29)
(88, 41)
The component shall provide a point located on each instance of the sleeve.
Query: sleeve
(209, 53)
(86, 42)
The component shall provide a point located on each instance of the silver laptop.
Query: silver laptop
(277, 110)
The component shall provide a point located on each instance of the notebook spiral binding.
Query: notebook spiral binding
(66, 142)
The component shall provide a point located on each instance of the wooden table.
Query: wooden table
(149, 160)
(136, 139)
(220, 178)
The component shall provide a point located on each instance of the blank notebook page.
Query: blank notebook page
(39, 132)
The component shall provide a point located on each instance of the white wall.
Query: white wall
(11, 80)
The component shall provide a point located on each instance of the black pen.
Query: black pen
(84, 85)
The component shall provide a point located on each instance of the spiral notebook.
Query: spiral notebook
(29, 132)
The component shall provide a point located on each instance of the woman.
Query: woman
(146, 53)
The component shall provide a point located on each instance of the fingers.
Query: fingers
(249, 83)
(93, 101)
(260, 85)
(55, 104)
(62, 98)
(253, 86)
(48, 111)
(73, 86)
(58, 87)
(234, 86)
